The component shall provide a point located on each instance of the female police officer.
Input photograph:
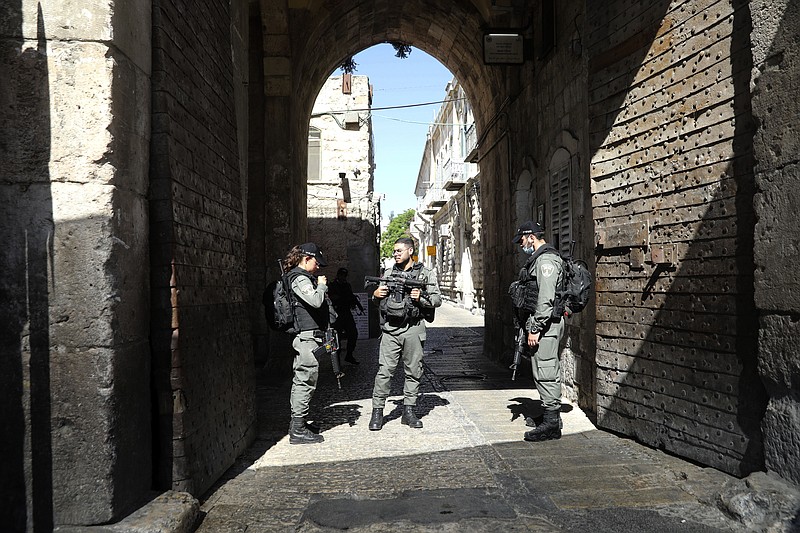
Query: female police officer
(314, 315)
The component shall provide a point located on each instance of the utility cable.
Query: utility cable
(416, 122)
(387, 107)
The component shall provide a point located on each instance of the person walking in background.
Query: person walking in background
(402, 317)
(540, 276)
(314, 315)
(344, 301)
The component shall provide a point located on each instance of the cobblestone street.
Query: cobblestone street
(467, 469)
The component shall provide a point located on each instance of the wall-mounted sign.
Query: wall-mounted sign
(362, 320)
(430, 250)
(503, 48)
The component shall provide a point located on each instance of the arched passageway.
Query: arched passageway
(198, 118)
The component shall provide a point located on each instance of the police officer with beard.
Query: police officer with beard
(541, 275)
(403, 333)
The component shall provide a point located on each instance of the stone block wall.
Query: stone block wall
(776, 76)
(341, 212)
(75, 136)
(556, 94)
(202, 352)
(672, 198)
(459, 259)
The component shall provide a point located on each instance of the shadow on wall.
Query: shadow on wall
(26, 231)
(676, 348)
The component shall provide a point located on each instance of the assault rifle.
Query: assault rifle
(520, 345)
(398, 285)
(330, 345)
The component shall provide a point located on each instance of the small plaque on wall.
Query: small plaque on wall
(503, 49)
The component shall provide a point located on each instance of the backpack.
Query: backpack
(279, 306)
(575, 290)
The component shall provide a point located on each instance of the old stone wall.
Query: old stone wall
(548, 119)
(459, 259)
(672, 187)
(202, 353)
(688, 193)
(341, 212)
(73, 289)
(776, 77)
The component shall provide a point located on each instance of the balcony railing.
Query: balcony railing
(453, 175)
(434, 198)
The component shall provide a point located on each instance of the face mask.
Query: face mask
(529, 250)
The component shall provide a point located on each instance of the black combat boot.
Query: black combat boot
(549, 429)
(376, 422)
(409, 418)
(531, 422)
(300, 434)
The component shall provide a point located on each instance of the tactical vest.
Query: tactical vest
(411, 313)
(308, 317)
(524, 291)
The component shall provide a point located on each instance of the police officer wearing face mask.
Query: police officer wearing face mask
(541, 274)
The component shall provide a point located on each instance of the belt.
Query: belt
(315, 332)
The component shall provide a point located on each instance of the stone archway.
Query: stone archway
(302, 47)
(162, 186)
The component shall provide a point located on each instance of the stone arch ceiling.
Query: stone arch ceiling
(449, 30)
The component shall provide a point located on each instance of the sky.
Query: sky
(400, 133)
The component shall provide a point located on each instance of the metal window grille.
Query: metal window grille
(314, 137)
(560, 215)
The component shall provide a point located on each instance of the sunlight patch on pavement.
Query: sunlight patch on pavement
(452, 420)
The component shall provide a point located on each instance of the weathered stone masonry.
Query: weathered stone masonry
(202, 353)
(776, 148)
(679, 120)
(73, 181)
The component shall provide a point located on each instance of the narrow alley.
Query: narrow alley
(467, 469)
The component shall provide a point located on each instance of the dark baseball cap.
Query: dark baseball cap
(312, 250)
(527, 228)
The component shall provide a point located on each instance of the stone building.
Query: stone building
(154, 163)
(343, 216)
(447, 219)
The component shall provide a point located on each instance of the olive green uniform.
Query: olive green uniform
(306, 365)
(548, 269)
(404, 339)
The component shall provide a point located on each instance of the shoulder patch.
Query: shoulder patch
(307, 289)
(548, 269)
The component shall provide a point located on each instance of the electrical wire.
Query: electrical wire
(414, 121)
(387, 107)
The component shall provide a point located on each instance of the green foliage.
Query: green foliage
(398, 227)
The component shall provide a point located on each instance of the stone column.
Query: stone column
(776, 74)
(74, 280)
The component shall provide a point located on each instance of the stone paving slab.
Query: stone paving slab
(467, 469)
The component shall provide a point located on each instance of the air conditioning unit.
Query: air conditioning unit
(351, 119)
